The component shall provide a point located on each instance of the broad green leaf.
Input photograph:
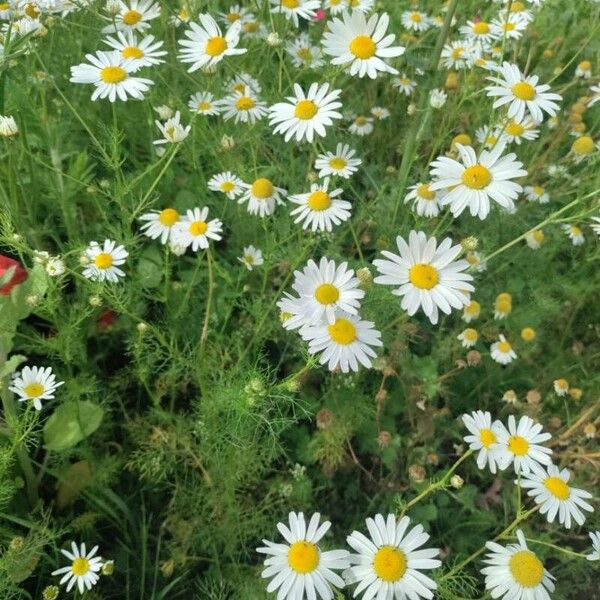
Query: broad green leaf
(10, 365)
(70, 423)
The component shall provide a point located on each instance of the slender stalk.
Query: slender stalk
(418, 125)
(555, 547)
(436, 485)
(160, 174)
(211, 287)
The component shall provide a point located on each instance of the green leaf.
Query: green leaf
(150, 268)
(10, 365)
(70, 423)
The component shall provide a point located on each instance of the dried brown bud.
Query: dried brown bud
(324, 418)
(417, 473)
(473, 358)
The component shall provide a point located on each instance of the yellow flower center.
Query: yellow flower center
(523, 90)
(575, 231)
(32, 11)
(585, 65)
(538, 189)
(528, 334)
(34, 390)
(473, 308)
(562, 384)
(517, 7)
(227, 186)
(239, 87)
(462, 138)
(416, 17)
(131, 17)
(481, 28)
(244, 103)
(583, 145)
(319, 201)
(538, 236)
(198, 227)
(503, 305)
(184, 14)
(470, 334)
(4, 5)
(518, 445)
(132, 52)
(425, 193)
(526, 568)
(342, 332)
(491, 140)
(477, 177)
(216, 46)
(113, 74)
(504, 347)
(303, 557)
(249, 259)
(360, 121)
(389, 563)
(509, 26)
(457, 52)
(250, 26)
(262, 188)
(204, 106)
(305, 110)
(103, 260)
(337, 163)
(232, 17)
(168, 217)
(327, 293)
(472, 259)
(363, 47)
(487, 437)
(80, 566)
(557, 487)
(304, 53)
(423, 276)
(515, 129)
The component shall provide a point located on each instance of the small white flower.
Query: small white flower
(159, 224)
(203, 103)
(8, 126)
(83, 569)
(292, 9)
(195, 230)
(243, 105)
(55, 267)
(143, 53)
(172, 130)
(227, 183)
(251, 257)
(483, 438)
(425, 201)
(437, 98)
(595, 554)
(133, 16)
(361, 126)
(262, 197)
(502, 351)
(574, 233)
(36, 384)
(103, 262)
(468, 337)
(341, 162)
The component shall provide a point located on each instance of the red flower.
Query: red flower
(19, 275)
(320, 15)
(106, 320)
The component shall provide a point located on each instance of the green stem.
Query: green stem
(555, 547)
(211, 287)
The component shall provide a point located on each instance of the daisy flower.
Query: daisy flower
(143, 53)
(516, 573)
(535, 239)
(536, 193)
(513, 131)
(344, 343)
(227, 183)
(427, 276)
(111, 75)
(380, 113)
(364, 6)
(251, 257)
(471, 311)
(244, 106)
(509, 26)
(561, 387)
(405, 85)
(240, 81)
(303, 53)
(341, 162)
(582, 147)
(488, 136)
(292, 9)
(584, 69)
(159, 224)
(204, 103)
(298, 567)
(334, 6)
(475, 262)
(361, 126)
(595, 554)
(521, 445)
(35, 383)
(183, 16)
(502, 305)
(477, 31)
(327, 288)
(474, 181)
(483, 438)
(528, 334)
(468, 337)
(388, 564)
(292, 311)
(550, 490)
(206, 45)
(172, 130)
(233, 14)
(194, 230)
(522, 94)
(8, 125)
(502, 351)
(595, 91)
(459, 55)
(83, 569)
(320, 209)
(133, 17)
(103, 261)
(262, 197)
(574, 233)
(413, 20)
(425, 201)
(361, 45)
(303, 115)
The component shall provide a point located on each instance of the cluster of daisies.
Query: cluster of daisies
(388, 562)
